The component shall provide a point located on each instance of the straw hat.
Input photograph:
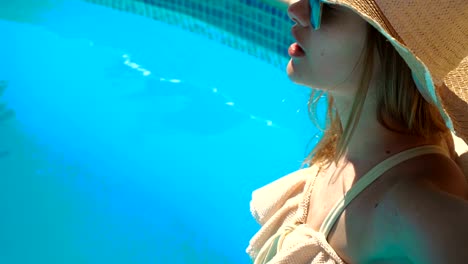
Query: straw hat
(432, 37)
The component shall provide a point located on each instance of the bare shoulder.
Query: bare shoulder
(431, 211)
(432, 172)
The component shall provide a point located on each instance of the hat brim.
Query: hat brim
(452, 107)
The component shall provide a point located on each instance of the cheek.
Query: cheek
(338, 59)
(329, 65)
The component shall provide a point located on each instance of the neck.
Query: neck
(371, 142)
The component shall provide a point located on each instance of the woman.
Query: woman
(382, 185)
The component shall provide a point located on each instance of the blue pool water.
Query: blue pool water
(133, 141)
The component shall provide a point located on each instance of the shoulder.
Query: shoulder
(430, 173)
(431, 210)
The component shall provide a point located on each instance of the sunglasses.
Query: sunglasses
(315, 13)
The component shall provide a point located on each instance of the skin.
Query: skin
(396, 205)
(331, 53)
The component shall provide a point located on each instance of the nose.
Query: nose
(299, 12)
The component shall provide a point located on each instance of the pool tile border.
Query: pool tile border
(252, 26)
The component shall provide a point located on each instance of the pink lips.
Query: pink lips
(295, 50)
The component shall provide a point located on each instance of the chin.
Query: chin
(294, 75)
(291, 72)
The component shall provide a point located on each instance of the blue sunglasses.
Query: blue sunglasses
(315, 13)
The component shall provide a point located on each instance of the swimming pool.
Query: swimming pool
(127, 139)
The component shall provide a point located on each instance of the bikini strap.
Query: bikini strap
(370, 177)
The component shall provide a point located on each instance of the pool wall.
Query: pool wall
(258, 27)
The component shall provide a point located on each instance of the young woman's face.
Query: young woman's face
(328, 55)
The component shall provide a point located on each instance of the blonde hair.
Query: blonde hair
(399, 99)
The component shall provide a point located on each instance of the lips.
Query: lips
(296, 51)
(300, 46)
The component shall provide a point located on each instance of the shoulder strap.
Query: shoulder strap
(370, 177)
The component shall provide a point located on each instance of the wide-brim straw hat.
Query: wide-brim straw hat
(432, 37)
